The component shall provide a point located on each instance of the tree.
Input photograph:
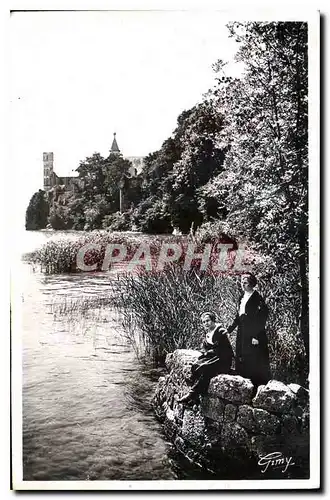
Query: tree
(152, 213)
(265, 177)
(92, 176)
(115, 169)
(37, 211)
(97, 195)
(172, 176)
(199, 161)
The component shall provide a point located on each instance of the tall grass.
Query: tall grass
(89, 320)
(82, 307)
(161, 313)
(59, 256)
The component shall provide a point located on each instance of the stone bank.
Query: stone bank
(229, 430)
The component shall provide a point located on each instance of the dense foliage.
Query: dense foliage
(95, 195)
(162, 197)
(265, 175)
(37, 211)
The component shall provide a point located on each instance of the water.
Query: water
(86, 399)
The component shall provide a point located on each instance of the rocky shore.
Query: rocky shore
(232, 432)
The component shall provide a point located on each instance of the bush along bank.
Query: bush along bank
(232, 433)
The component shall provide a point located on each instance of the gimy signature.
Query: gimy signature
(275, 460)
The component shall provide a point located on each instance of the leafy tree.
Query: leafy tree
(58, 218)
(117, 221)
(152, 213)
(92, 176)
(265, 177)
(153, 216)
(37, 211)
(171, 176)
(97, 193)
(200, 160)
(76, 204)
(115, 169)
(133, 191)
(100, 177)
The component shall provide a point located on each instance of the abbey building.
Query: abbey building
(52, 179)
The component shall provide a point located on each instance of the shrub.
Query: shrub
(153, 218)
(282, 292)
(213, 232)
(117, 222)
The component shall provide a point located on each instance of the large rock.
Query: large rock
(290, 424)
(213, 408)
(234, 389)
(159, 399)
(170, 426)
(257, 420)
(229, 413)
(190, 454)
(179, 363)
(193, 427)
(234, 439)
(176, 359)
(275, 397)
(266, 422)
(245, 417)
(302, 394)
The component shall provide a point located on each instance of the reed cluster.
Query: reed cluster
(59, 256)
(161, 313)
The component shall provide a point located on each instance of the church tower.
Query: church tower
(114, 147)
(48, 159)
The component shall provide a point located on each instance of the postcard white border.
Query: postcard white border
(243, 13)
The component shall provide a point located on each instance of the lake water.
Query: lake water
(86, 398)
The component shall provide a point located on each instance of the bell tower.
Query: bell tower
(114, 147)
(48, 159)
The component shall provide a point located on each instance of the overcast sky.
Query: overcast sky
(77, 77)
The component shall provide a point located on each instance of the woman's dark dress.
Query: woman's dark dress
(252, 361)
(216, 358)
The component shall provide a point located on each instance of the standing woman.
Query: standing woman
(252, 357)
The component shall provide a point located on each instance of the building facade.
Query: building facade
(51, 179)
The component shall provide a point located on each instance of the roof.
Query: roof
(114, 147)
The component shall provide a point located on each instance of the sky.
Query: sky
(77, 77)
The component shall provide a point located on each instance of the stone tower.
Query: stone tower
(48, 159)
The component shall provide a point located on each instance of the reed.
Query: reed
(73, 308)
(161, 313)
(59, 256)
